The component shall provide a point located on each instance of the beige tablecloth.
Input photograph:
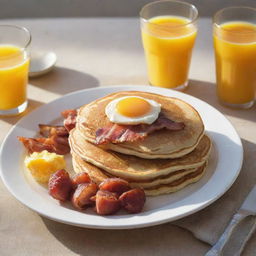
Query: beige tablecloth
(95, 52)
(208, 224)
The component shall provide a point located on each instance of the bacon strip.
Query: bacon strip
(70, 118)
(35, 145)
(55, 138)
(50, 130)
(117, 133)
(54, 144)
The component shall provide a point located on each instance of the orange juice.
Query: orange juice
(235, 56)
(14, 66)
(168, 42)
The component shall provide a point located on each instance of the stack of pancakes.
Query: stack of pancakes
(165, 161)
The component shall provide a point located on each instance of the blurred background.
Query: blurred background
(90, 8)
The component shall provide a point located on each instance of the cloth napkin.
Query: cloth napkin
(209, 223)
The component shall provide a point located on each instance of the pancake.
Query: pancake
(161, 144)
(98, 175)
(122, 148)
(132, 167)
(165, 184)
(178, 184)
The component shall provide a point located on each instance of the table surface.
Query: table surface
(95, 52)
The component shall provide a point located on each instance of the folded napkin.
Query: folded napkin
(208, 224)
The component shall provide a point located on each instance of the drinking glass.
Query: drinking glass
(14, 66)
(234, 35)
(169, 31)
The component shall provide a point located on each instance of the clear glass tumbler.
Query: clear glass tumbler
(14, 66)
(168, 34)
(234, 35)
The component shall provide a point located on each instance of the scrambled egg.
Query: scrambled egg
(43, 164)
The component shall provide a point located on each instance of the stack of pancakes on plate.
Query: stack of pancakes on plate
(163, 162)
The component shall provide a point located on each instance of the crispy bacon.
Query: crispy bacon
(35, 145)
(55, 144)
(50, 130)
(117, 133)
(70, 118)
(55, 138)
(60, 144)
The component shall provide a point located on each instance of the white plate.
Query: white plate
(224, 166)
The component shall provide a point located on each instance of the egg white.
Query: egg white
(148, 118)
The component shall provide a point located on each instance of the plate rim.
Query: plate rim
(111, 89)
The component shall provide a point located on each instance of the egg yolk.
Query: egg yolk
(133, 107)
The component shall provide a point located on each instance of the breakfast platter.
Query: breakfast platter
(205, 157)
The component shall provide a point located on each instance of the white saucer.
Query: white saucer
(41, 63)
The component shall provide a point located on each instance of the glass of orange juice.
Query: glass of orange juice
(234, 35)
(168, 34)
(14, 65)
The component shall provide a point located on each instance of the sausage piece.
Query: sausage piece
(80, 178)
(107, 202)
(82, 195)
(133, 200)
(60, 185)
(115, 185)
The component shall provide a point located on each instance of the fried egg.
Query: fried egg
(132, 110)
